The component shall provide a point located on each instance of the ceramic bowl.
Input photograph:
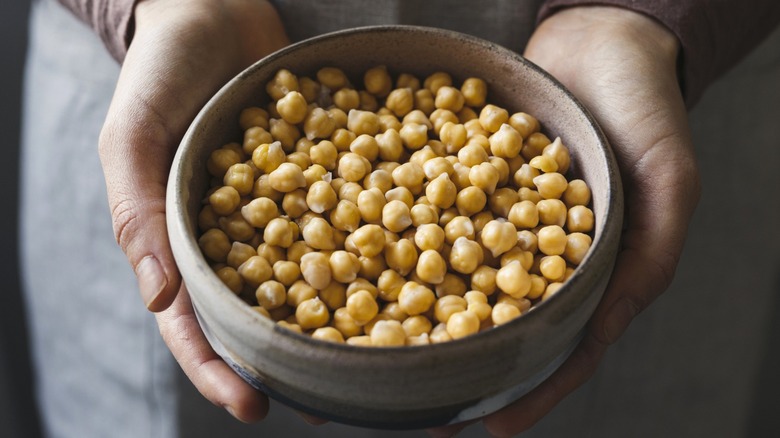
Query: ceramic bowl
(407, 387)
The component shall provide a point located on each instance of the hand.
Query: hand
(181, 53)
(622, 67)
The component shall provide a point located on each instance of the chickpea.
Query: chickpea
(215, 245)
(362, 307)
(409, 175)
(334, 295)
(253, 116)
(371, 205)
(503, 313)
(577, 246)
(534, 145)
(230, 277)
(462, 324)
(452, 285)
(286, 272)
(441, 116)
(527, 241)
(346, 216)
(526, 194)
(453, 136)
(390, 144)
(362, 122)
(499, 237)
(560, 153)
(312, 313)
(294, 203)
(524, 123)
(325, 154)
(400, 101)
(448, 305)
(286, 133)
(550, 185)
(437, 80)
(282, 83)
(351, 167)
(484, 280)
(465, 256)
(271, 253)
(300, 159)
(318, 234)
(321, 197)
(236, 227)
(551, 212)
(271, 294)
(414, 135)
(553, 268)
(344, 266)
(239, 253)
(388, 334)
(207, 218)
(472, 155)
(417, 116)
(441, 192)
(415, 298)
(481, 219)
(278, 232)
(459, 226)
(377, 81)
(485, 176)
(286, 178)
(431, 267)
(379, 178)
(224, 200)
(579, 219)
(492, 118)
(263, 189)
(577, 193)
(524, 214)
(328, 334)
(544, 163)
(349, 191)
(551, 290)
(423, 214)
(315, 269)
(396, 216)
(439, 334)
(401, 194)
(416, 325)
(506, 142)
(513, 280)
(342, 138)
(470, 201)
(360, 341)
(552, 240)
(255, 270)
(292, 107)
(401, 256)
(389, 285)
(449, 98)
(369, 240)
(345, 324)
(436, 166)
(424, 100)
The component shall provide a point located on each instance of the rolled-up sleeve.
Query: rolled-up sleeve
(714, 34)
(112, 20)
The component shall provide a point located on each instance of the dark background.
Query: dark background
(17, 411)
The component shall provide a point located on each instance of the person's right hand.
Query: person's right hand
(181, 53)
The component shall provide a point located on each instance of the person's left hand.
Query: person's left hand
(623, 67)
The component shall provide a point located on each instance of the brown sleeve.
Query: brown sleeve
(112, 20)
(714, 34)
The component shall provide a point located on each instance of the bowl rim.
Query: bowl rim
(176, 211)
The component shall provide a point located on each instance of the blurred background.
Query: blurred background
(18, 417)
(712, 275)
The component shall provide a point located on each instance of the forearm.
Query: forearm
(714, 34)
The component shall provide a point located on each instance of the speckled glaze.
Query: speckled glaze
(407, 387)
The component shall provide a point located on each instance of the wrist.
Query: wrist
(585, 35)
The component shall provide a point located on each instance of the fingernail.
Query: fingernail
(231, 411)
(618, 319)
(151, 279)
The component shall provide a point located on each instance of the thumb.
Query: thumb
(135, 163)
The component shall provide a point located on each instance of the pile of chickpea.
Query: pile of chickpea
(405, 213)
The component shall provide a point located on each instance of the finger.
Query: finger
(524, 413)
(449, 430)
(207, 371)
(662, 189)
